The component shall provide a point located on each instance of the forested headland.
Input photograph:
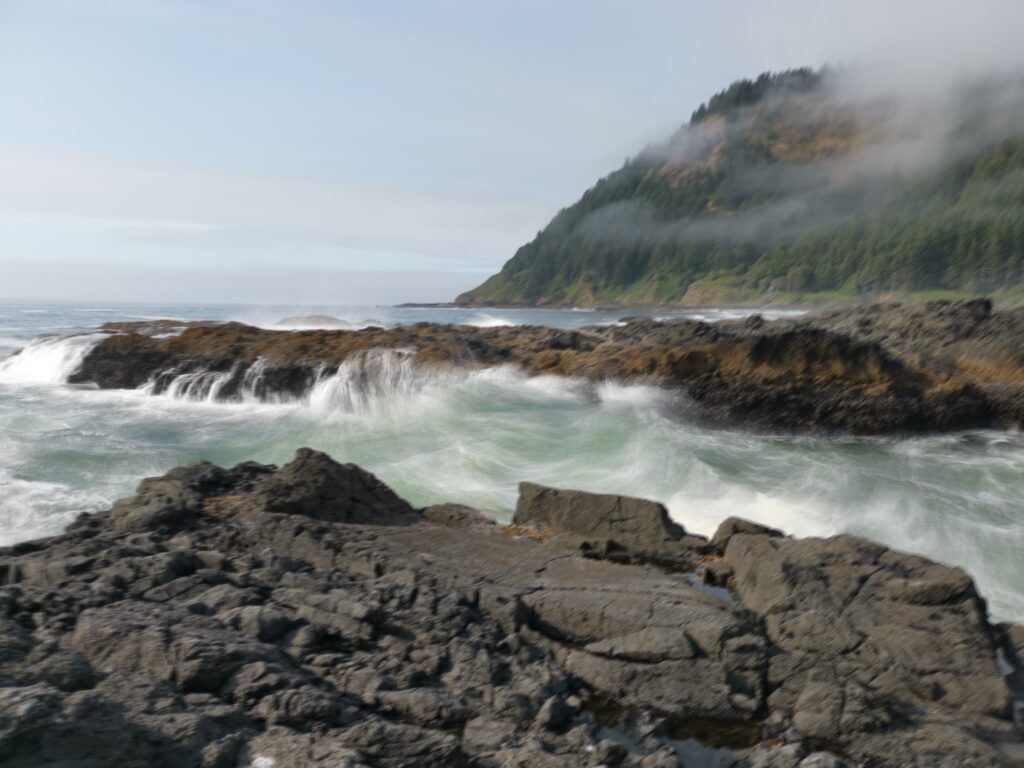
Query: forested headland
(797, 186)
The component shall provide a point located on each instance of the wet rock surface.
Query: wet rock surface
(307, 616)
(879, 369)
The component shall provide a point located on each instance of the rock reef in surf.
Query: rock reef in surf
(868, 370)
(305, 615)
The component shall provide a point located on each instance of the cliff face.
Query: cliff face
(874, 370)
(305, 615)
(789, 185)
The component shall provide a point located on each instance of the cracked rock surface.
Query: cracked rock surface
(307, 616)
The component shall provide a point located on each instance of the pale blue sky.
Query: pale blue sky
(400, 150)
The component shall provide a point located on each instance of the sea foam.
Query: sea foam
(47, 360)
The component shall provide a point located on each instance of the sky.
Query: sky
(328, 152)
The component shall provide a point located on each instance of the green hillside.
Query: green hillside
(785, 188)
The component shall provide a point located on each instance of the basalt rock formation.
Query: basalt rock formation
(874, 370)
(307, 616)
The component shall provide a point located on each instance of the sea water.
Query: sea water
(471, 437)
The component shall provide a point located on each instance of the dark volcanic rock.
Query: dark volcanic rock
(888, 653)
(314, 485)
(610, 527)
(168, 501)
(595, 515)
(734, 525)
(123, 361)
(306, 616)
(872, 370)
(456, 515)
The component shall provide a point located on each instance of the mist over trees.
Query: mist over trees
(797, 183)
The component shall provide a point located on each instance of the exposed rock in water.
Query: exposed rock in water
(307, 616)
(875, 370)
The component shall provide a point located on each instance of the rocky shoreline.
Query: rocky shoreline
(305, 615)
(880, 369)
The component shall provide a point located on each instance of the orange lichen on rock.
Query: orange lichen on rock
(868, 370)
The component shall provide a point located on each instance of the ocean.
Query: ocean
(472, 437)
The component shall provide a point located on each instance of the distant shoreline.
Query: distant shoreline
(611, 307)
(808, 302)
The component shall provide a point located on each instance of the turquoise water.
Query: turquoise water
(472, 437)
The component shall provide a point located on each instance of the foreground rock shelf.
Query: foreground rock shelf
(867, 370)
(307, 616)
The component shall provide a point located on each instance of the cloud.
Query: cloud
(383, 136)
(112, 199)
(848, 150)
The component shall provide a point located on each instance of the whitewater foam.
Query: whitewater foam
(379, 381)
(374, 381)
(202, 386)
(47, 360)
(484, 320)
(320, 322)
(30, 509)
(369, 381)
(470, 436)
(630, 394)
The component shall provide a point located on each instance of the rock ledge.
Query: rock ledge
(307, 616)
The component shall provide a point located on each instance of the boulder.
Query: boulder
(314, 485)
(311, 485)
(733, 525)
(864, 638)
(595, 515)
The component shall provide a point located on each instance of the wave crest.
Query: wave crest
(48, 359)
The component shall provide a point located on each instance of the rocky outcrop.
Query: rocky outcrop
(884, 650)
(609, 527)
(307, 616)
(595, 515)
(882, 369)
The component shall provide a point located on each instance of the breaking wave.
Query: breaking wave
(484, 320)
(470, 436)
(47, 360)
(365, 382)
(322, 322)
(379, 381)
(373, 380)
